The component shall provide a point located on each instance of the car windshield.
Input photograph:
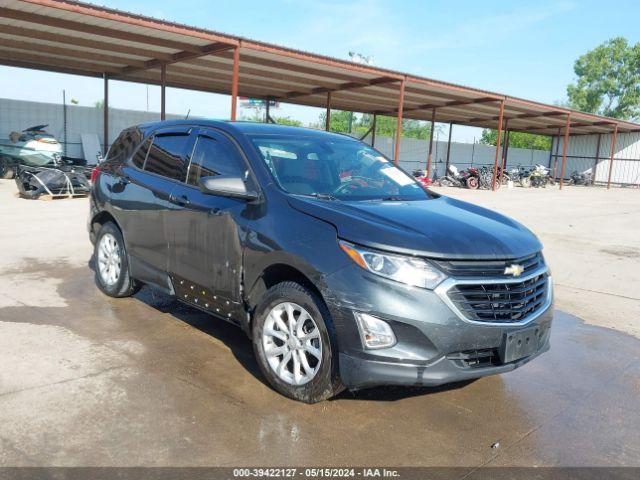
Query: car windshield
(344, 169)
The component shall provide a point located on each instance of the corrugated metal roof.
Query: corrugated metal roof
(85, 39)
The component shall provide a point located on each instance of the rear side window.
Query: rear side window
(167, 156)
(141, 154)
(213, 157)
(124, 145)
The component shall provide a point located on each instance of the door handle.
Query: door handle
(181, 200)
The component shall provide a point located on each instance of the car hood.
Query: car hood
(440, 227)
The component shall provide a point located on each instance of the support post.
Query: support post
(396, 151)
(266, 113)
(555, 158)
(446, 165)
(498, 143)
(105, 113)
(373, 131)
(234, 82)
(430, 156)
(505, 145)
(327, 117)
(595, 162)
(567, 129)
(613, 151)
(163, 82)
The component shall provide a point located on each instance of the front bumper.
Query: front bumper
(434, 345)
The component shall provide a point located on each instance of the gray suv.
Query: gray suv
(342, 269)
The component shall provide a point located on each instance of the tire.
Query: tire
(117, 285)
(525, 182)
(504, 179)
(322, 381)
(7, 170)
(472, 183)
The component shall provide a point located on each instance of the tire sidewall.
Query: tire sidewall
(117, 289)
(322, 386)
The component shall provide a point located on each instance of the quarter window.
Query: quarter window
(141, 154)
(213, 157)
(167, 156)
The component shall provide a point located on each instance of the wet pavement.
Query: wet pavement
(89, 380)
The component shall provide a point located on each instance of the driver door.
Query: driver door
(203, 232)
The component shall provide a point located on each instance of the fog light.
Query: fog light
(374, 332)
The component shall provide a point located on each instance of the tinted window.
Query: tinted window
(214, 157)
(124, 145)
(141, 154)
(167, 156)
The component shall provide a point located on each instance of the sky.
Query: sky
(523, 49)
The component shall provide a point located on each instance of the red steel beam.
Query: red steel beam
(341, 87)
(567, 130)
(396, 151)
(234, 83)
(613, 148)
(498, 140)
(430, 156)
(555, 161)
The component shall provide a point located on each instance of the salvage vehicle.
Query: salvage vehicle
(341, 280)
(32, 147)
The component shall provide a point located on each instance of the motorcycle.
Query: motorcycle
(466, 178)
(584, 178)
(33, 147)
(539, 177)
(486, 177)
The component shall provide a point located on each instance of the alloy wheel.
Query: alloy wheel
(292, 343)
(109, 261)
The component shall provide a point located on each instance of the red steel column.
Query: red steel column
(613, 148)
(163, 82)
(105, 113)
(373, 131)
(505, 145)
(446, 165)
(430, 156)
(234, 82)
(595, 163)
(555, 160)
(396, 152)
(498, 140)
(327, 117)
(567, 129)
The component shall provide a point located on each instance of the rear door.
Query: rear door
(159, 165)
(204, 236)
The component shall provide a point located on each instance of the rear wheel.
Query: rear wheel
(472, 183)
(7, 169)
(525, 182)
(294, 343)
(112, 263)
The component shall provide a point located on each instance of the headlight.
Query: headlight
(404, 269)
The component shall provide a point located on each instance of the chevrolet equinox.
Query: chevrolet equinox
(341, 268)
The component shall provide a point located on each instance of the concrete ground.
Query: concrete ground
(86, 380)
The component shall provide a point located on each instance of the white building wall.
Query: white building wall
(581, 157)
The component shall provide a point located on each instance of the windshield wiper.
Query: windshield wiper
(323, 196)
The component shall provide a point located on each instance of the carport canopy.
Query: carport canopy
(89, 40)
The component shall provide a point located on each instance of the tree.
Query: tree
(257, 117)
(517, 139)
(608, 80)
(385, 126)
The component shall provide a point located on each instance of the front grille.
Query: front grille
(488, 268)
(504, 302)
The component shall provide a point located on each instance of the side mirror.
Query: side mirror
(226, 186)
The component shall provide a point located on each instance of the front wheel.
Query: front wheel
(525, 182)
(112, 263)
(472, 183)
(294, 343)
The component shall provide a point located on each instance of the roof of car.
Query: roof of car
(248, 128)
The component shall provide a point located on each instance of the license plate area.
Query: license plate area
(519, 344)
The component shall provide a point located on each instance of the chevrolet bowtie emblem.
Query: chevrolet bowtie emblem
(514, 269)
